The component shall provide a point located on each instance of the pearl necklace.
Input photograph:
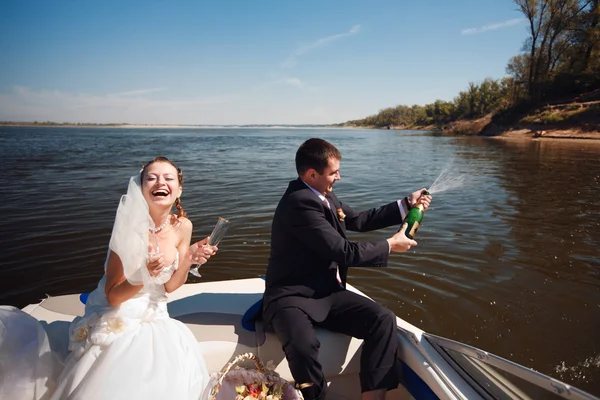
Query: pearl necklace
(162, 226)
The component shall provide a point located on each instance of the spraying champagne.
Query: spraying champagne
(447, 180)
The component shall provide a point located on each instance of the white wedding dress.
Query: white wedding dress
(28, 368)
(134, 351)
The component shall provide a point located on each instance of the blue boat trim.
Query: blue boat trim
(83, 297)
(415, 385)
(251, 315)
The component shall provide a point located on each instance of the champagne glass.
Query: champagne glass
(214, 239)
(155, 240)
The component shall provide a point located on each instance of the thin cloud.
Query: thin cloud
(289, 81)
(492, 27)
(292, 60)
(299, 84)
(293, 82)
(24, 104)
(138, 92)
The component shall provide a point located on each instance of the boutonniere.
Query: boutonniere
(341, 214)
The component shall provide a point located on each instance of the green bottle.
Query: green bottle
(414, 219)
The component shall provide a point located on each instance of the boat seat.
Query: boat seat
(219, 322)
(67, 304)
(215, 319)
(338, 354)
(221, 337)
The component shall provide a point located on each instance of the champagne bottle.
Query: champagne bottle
(414, 219)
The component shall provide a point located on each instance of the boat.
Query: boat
(219, 315)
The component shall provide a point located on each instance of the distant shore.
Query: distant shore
(87, 125)
(521, 131)
(537, 125)
(517, 132)
(575, 119)
(125, 125)
(479, 127)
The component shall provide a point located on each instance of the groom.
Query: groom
(308, 265)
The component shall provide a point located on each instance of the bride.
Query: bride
(126, 346)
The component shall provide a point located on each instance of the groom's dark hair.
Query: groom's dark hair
(315, 153)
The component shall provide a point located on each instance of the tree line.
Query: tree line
(560, 59)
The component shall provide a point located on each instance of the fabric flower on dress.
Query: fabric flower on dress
(115, 324)
(81, 334)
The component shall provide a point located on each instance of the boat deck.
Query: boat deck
(434, 367)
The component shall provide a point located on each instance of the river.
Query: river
(508, 262)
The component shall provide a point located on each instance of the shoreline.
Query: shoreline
(90, 125)
(467, 128)
(533, 132)
(571, 120)
(564, 134)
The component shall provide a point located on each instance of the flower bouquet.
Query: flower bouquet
(235, 383)
(259, 391)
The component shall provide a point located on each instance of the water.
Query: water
(507, 262)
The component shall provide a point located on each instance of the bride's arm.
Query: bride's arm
(180, 275)
(117, 288)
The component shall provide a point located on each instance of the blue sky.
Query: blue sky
(244, 62)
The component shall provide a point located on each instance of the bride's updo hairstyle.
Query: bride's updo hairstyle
(180, 211)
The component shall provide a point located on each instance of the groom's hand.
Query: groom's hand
(399, 243)
(419, 198)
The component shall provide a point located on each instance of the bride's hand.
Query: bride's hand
(155, 263)
(200, 252)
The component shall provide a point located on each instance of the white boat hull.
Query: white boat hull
(214, 312)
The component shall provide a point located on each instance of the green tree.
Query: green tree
(559, 31)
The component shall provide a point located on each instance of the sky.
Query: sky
(245, 62)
